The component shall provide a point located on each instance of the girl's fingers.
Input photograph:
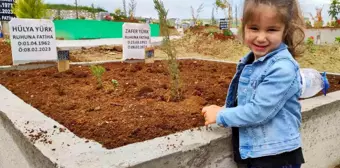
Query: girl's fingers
(204, 110)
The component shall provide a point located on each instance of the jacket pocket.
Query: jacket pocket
(244, 80)
(243, 90)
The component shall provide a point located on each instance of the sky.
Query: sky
(181, 8)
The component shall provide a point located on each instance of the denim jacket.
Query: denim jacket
(268, 112)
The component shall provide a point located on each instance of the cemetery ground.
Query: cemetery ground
(201, 45)
(137, 107)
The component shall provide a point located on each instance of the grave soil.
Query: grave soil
(137, 110)
(5, 53)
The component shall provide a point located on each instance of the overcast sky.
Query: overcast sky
(181, 8)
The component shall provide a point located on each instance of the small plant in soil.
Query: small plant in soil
(227, 32)
(310, 44)
(7, 41)
(169, 49)
(337, 40)
(114, 83)
(98, 72)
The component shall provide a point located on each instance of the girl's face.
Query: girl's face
(264, 33)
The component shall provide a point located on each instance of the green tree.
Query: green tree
(213, 20)
(224, 4)
(35, 9)
(118, 15)
(132, 8)
(124, 8)
(334, 9)
(118, 11)
(170, 50)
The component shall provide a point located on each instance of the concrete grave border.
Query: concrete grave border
(204, 147)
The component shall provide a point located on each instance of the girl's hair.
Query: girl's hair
(290, 14)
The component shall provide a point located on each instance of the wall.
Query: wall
(17, 151)
(71, 14)
(93, 29)
(204, 147)
(327, 35)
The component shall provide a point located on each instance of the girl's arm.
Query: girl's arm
(270, 96)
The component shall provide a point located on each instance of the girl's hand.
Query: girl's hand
(210, 113)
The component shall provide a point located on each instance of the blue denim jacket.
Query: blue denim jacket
(268, 112)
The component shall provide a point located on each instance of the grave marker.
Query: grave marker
(136, 37)
(6, 13)
(63, 60)
(149, 54)
(32, 40)
(223, 24)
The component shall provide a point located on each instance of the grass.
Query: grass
(322, 58)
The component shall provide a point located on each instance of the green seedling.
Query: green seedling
(8, 41)
(98, 72)
(115, 83)
(337, 40)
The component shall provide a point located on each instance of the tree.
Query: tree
(213, 20)
(224, 4)
(124, 7)
(132, 8)
(35, 9)
(118, 15)
(334, 9)
(196, 14)
(170, 50)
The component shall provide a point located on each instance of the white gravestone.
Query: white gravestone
(136, 37)
(32, 40)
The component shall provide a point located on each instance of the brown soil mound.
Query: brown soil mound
(137, 110)
(5, 53)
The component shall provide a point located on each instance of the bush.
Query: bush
(308, 24)
(33, 9)
(318, 24)
(310, 44)
(337, 40)
(310, 40)
(98, 72)
(227, 32)
(108, 18)
(58, 18)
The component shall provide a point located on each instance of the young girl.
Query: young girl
(262, 105)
